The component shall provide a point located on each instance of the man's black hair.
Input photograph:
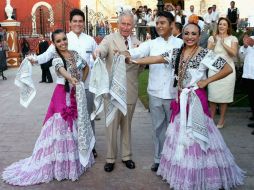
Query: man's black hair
(168, 15)
(179, 26)
(76, 12)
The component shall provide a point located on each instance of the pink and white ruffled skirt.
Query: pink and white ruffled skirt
(55, 154)
(198, 170)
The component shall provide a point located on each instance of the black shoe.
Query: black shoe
(42, 81)
(251, 118)
(155, 167)
(129, 164)
(252, 132)
(94, 153)
(251, 125)
(49, 82)
(108, 167)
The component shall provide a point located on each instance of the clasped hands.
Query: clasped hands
(32, 58)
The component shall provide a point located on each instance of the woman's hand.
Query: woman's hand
(214, 38)
(202, 83)
(222, 41)
(73, 81)
(126, 54)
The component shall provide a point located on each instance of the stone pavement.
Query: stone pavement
(20, 127)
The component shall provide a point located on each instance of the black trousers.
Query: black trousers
(249, 85)
(234, 27)
(46, 75)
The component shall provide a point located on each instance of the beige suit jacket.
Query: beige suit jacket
(115, 41)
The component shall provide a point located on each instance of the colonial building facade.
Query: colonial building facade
(36, 16)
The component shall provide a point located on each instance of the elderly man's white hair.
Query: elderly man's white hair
(125, 13)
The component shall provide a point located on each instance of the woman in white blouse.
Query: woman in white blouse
(56, 153)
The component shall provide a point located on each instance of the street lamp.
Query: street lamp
(160, 5)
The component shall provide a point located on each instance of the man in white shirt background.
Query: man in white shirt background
(215, 18)
(84, 45)
(190, 12)
(208, 20)
(247, 53)
(161, 78)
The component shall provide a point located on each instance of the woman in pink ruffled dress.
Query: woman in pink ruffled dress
(195, 156)
(56, 154)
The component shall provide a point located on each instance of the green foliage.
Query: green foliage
(142, 87)
(239, 36)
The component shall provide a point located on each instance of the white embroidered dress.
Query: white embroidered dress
(64, 148)
(194, 154)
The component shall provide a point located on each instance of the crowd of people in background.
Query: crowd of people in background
(145, 18)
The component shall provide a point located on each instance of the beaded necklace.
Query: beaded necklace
(183, 64)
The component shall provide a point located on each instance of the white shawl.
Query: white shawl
(191, 126)
(115, 88)
(86, 139)
(99, 85)
(25, 82)
(118, 89)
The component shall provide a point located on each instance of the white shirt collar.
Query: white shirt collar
(128, 38)
(169, 38)
(74, 34)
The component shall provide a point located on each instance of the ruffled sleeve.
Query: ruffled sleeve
(210, 39)
(57, 63)
(234, 39)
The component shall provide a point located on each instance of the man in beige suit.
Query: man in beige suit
(121, 41)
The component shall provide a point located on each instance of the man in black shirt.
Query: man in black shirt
(46, 75)
(233, 15)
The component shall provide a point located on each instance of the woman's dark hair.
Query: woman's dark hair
(192, 23)
(177, 65)
(229, 31)
(77, 12)
(59, 31)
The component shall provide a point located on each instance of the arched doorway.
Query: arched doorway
(42, 24)
(42, 18)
